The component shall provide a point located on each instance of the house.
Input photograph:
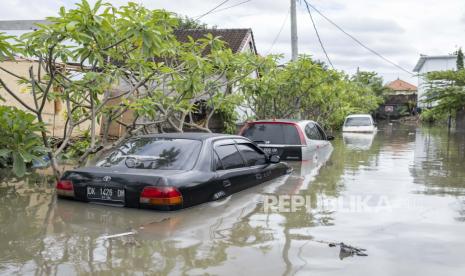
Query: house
(54, 111)
(400, 99)
(238, 40)
(428, 64)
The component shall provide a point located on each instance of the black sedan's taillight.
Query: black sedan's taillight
(153, 195)
(65, 188)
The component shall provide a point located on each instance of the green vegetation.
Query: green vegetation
(309, 89)
(446, 93)
(129, 56)
(19, 143)
(460, 59)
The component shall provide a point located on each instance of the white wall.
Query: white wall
(433, 64)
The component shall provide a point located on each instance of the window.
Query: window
(217, 161)
(154, 153)
(230, 157)
(252, 156)
(312, 132)
(273, 133)
(322, 133)
(358, 121)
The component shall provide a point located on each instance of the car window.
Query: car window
(217, 162)
(154, 153)
(252, 156)
(229, 156)
(270, 133)
(312, 132)
(321, 131)
(358, 121)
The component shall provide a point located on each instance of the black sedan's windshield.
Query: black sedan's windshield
(154, 153)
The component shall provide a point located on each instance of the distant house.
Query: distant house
(238, 40)
(400, 99)
(428, 64)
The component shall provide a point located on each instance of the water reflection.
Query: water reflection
(40, 235)
(358, 141)
(439, 165)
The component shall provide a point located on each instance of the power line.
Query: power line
(212, 10)
(232, 6)
(279, 32)
(359, 42)
(317, 34)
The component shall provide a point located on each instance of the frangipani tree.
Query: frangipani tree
(90, 56)
(306, 89)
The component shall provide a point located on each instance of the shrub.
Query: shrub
(432, 116)
(19, 142)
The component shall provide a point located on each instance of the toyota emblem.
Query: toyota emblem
(106, 178)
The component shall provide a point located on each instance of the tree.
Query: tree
(129, 55)
(372, 81)
(308, 89)
(446, 93)
(186, 22)
(460, 59)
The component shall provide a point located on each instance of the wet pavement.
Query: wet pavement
(399, 194)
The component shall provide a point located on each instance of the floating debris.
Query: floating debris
(348, 250)
(131, 233)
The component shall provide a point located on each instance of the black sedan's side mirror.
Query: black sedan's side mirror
(274, 159)
(330, 138)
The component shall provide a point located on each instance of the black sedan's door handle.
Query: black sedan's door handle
(226, 183)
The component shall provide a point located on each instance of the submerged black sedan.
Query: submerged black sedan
(172, 171)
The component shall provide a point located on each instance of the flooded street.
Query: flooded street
(399, 194)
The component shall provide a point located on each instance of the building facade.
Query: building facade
(400, 100)
(429, 64)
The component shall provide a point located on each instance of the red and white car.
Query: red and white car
(291, 140)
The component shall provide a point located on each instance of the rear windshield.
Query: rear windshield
(282, 134)
(154, 153)
(358, 121)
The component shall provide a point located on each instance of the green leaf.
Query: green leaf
(19, 167)
(5, 153)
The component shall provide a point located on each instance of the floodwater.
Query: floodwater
(399, 194)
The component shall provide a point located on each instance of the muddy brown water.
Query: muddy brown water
(399, 194)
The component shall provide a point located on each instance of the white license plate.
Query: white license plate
(270, 150)
(105, 193)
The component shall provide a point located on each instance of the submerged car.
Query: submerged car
(359, 123)
(172, 171)
(291, 140)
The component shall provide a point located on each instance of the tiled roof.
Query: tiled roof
(235, 38)
(400, 85)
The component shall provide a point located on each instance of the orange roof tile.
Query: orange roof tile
(400, 85)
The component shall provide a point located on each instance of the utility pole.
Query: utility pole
(295, 51)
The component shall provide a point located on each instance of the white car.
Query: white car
(291, 140)
(359, 123)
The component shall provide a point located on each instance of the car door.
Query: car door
(317, 139)
(324, 138)
(231, 169)
(256, 160)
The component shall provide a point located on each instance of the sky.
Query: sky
(400, 30)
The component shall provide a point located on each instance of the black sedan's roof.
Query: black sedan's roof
(192, 135)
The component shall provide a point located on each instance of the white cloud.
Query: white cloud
(398, 29)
